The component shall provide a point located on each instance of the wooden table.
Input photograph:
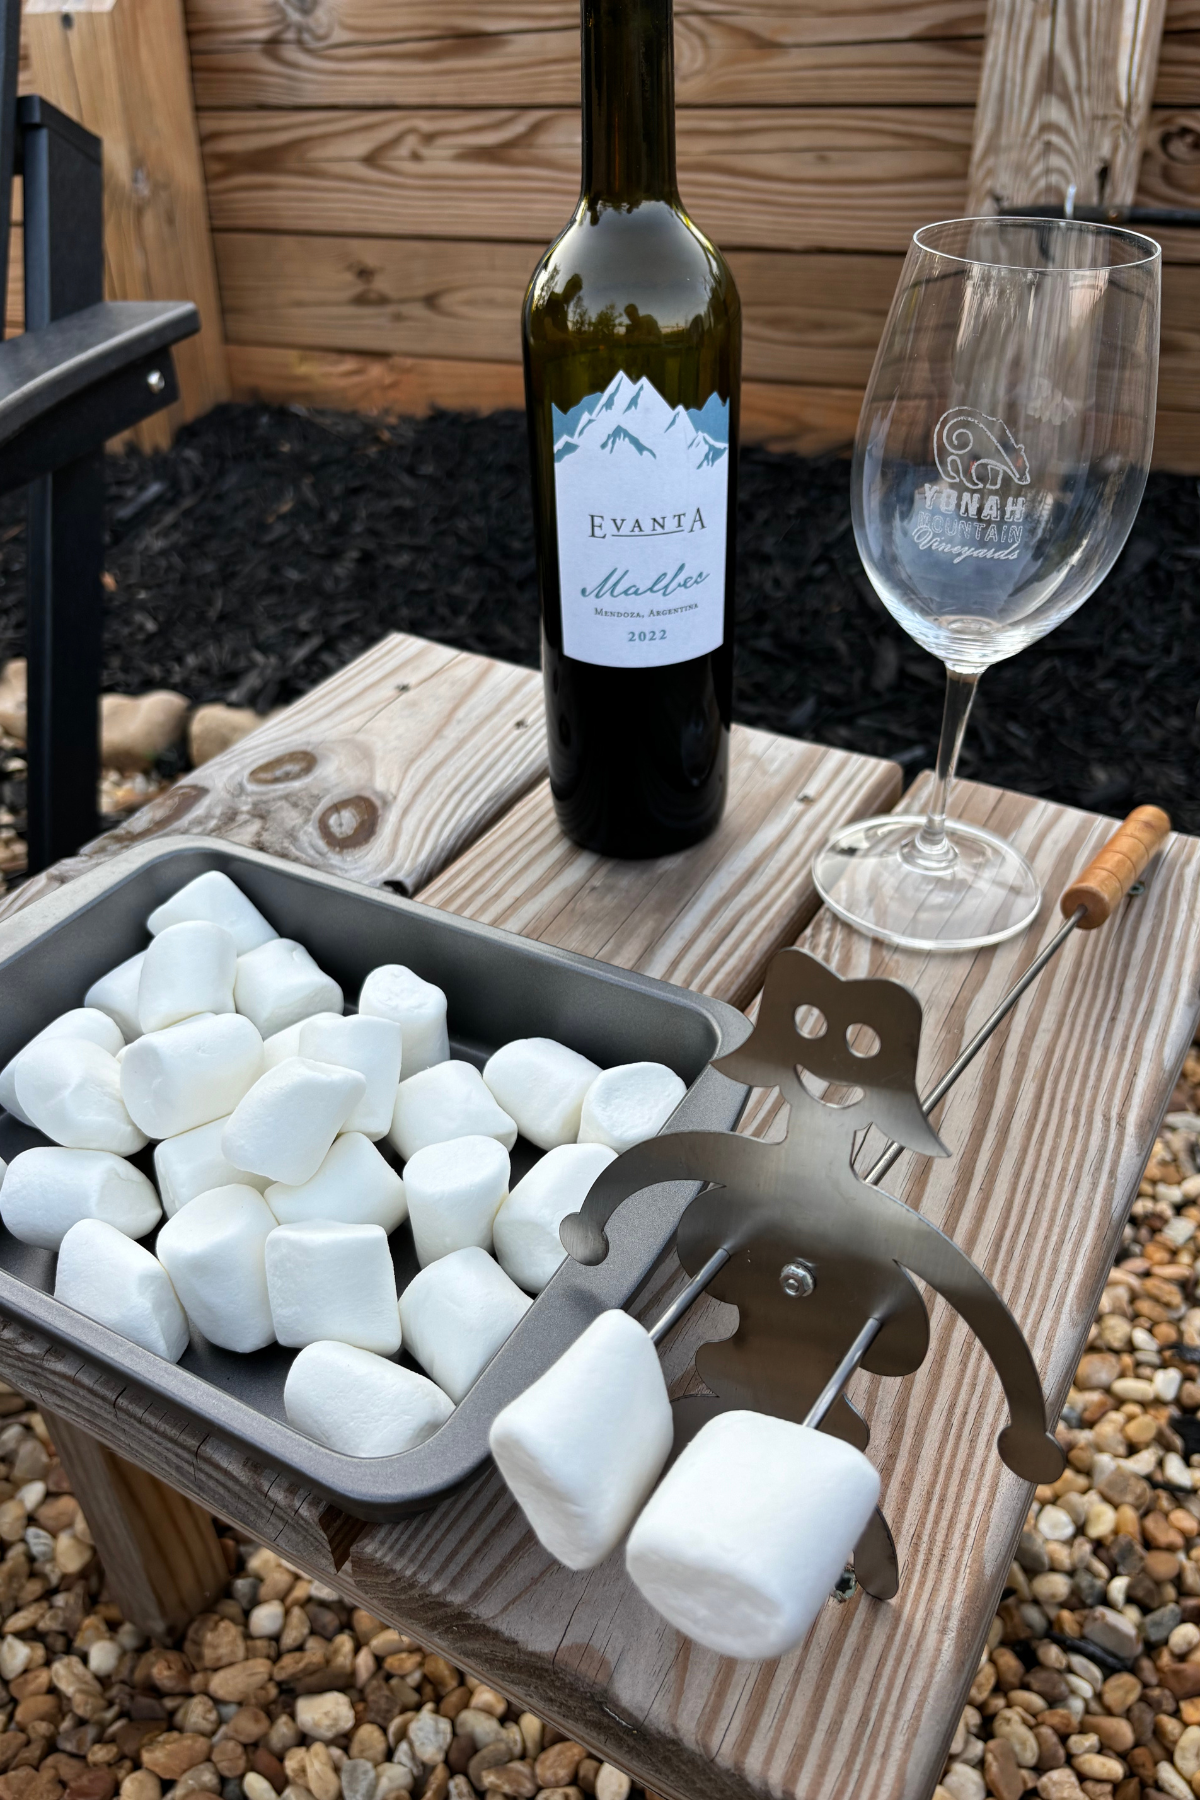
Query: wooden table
(425, 768)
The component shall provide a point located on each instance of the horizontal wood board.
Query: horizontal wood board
(1041, 1172)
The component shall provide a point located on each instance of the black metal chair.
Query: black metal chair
(83, 370)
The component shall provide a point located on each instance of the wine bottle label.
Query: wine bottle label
(641, 490)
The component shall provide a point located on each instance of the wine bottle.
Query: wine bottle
(632, 340)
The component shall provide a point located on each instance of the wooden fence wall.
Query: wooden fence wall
(382, 174)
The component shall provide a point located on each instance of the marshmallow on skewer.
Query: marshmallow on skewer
(328, 1280)
(541, 1084)
(48, 1190)
(354, 1185)
(626, 1105)
(456, 1314)
(741, 1544)
(71, 1089)
(190, 1073)
(284, 1126)
(192, 1162)
(188, 969)
(447, 1101)
(361, 1404)
(218, 900)
(213, 1250)
(278, 984)
(453, 1191)
(282, 1044)
(104, 1275)
(584, 1445)
(526, 1227)
(117, 995)
(81, 1022)
(419, 1008)
(372, 1046)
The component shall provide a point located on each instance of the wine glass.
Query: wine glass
(1000, 460)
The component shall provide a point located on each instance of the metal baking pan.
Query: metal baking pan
(499, 986)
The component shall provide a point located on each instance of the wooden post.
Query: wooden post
(1064, 100)
(121, 68)
(160, 1552)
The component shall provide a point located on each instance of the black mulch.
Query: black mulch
(270, 546)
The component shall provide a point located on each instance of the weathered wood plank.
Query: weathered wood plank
(1048, 1145)
(384, 773)
(708, 918)
(838, 178)
(759, 59)
(1064, 101)
(809, 318)
(224, 24)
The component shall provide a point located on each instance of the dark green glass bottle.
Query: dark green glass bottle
(632, 335)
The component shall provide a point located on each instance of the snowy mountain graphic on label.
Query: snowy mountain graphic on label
(631, 422)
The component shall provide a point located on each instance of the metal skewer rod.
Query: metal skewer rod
(684, 1299)
(1088, 902)
(841, 1375)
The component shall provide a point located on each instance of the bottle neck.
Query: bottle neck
(628, 102)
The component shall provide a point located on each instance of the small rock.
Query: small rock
(485, 1699)
(1112, 1631)
(40, 1544)
(393, 1778)
(1001, 1770)
(1060, 1784)
(556, 1766)
(216, 727)
(369, 1744)
(1009, 1724)
(324, 1716)
(1158, 1625)
(141, 1785)
(1100, 1521)
(174, 1753)
(92, 1784)
(71, 1554)
(1094, 1766)
(490, 1757)
(1133, 1387)
(1031, 1553)
(1167, 1382)
(482, 1728)
(512, 1778)
(240, 1681)
(358, 1779)
(133, 731)
(1056, 1525)
(611, 1783)
(532, 1731)
(102, 1658)
(13, 698)
(1122, 1488)
(1098, 1369)
(962, 1782)
(203, 1779)
(1186, 1754)
(460, 1789)
(430, 1735)
(1119, 1693)
(1171, 1782)
(15, 1654)
(245, 1592)
(1175, 1471)
(257, 1787)
(266, 1620)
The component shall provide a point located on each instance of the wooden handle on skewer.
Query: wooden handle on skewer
(1109, 876)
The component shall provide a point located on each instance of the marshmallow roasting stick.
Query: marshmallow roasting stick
(1090, 900)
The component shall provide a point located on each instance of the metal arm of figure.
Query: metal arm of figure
(678, 1156)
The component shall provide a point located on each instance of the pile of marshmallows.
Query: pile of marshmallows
(228, 1045)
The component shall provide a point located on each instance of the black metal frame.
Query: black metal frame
(83, 371)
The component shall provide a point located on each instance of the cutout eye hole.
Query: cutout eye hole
(862, 1040)
(811, 1022)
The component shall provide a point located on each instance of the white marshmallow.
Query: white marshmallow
(354, 1185)
(285, 1125)
(582, 1448)
(71, 1089)
(213, 1250)
(218, 900)
(104, 1275)
(626, 1105)
(419, 1008)
(447, 1101)
(372, 1046)
(285, 1043)
(361, 1404)
(192, 1163)
(48, 1190)
(456, 1314)
(278, 984)
(191, 1073)
(328, 1280)
(188, 969)
(526, 1227)
(453, 1192)
(117, 995)
(742, 1542)
(82, 1022)
(542, 1084)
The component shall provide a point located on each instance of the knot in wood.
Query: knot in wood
(348, 824)
(292, 765)
(161, 813)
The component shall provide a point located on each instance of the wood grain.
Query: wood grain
(124, 74)
(383, 773)
(761, 59)
(1064, 101)
(225, 24)
(1040, 1175)
(708, 918)
(162, 1562)
(793, 177)
(809, 318)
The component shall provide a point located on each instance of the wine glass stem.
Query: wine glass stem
(933, 848)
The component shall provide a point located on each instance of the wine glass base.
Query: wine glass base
(986, 894)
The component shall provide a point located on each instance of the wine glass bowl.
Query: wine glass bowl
(1000, 460)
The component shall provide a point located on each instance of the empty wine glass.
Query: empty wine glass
(1000, 460)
